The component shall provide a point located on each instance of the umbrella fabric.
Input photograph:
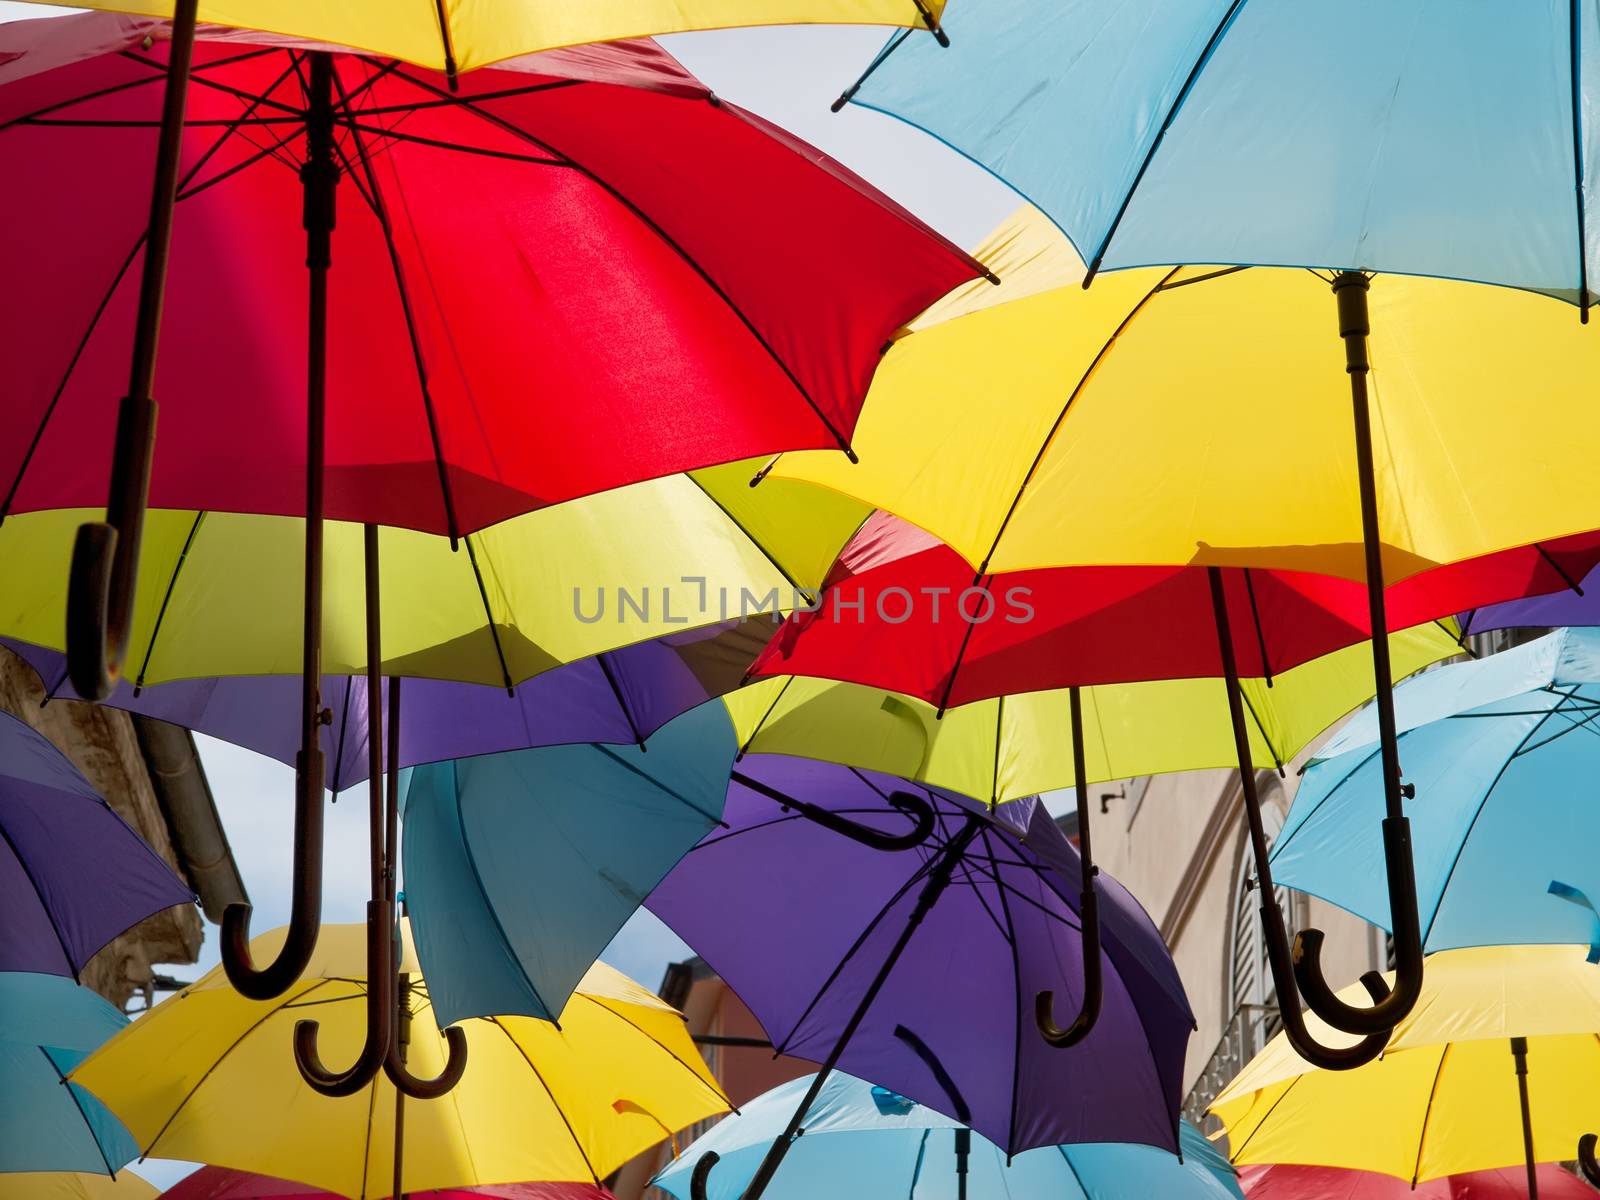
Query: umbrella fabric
(219, 1183)
(1017, 746)
(1572, 606)
(465, 35)
(73, 874)
(521, 867)
(48, 1025)
(207, 1076)
(1288, 1181)
(530, 299)
(62, 1185)
(1229, 391)
(902, 611)
(1501, 751)
(621, 696)
(798, 920)
(862, 1140)
(1443, 1098)
(1386, 136)
(222, 594)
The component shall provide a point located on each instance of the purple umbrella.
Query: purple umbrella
(919, 968)
(73, 874)
(618, 697)
(1578, 604)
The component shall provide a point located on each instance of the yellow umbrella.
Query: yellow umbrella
(206, 1076)
(1019, 745)
(1445, 1096)
(67, 1185)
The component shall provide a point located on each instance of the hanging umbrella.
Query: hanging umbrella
(1503, 749)
(203, 1077)
(64, 1185)
(918, 964)
(1289, 1181)
(864, 1140)
(73, 874)
(1258, 448)
(219, 1183)
(1495, 1067)
(48, 1025)
(521, 867)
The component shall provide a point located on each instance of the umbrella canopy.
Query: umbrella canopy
(48, 1025)
(1230, 390)
(1289, 1181)
(863, 1140)
(220, 1183)
(1443, 1099)
(919, 967)
(73, 874)
(207, 1076)
(1386, 136)
(902, 611)
(1574, 606)
(521, 867)
(1017, 746)
(456, 34)
(1502, 823)
(494, 251)
(53, 1185)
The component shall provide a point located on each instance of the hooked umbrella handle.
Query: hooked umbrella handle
(909, 803)
(380, 1016)
(1089, 1013)
(394, 1063)
(1586, 1159)
(702, 1173)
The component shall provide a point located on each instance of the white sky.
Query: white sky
(789, 76)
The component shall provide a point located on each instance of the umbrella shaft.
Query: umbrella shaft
(1519, 1052)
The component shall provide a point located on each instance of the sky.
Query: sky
(790, 76)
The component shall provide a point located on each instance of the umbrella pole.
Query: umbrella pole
(1088, 909)
(963, 1157)
(319, 178)
(1519, 1052)
(105, 557)
(1350, 289)
(1272, 923)
(380, 908)
(402, 1039)
(939, 876)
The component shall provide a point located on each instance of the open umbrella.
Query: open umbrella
(864, 1140)
(1290, 1181)
(65, 1185)
(1503, 749)
(48, 1025)
(1252, 432)
(1579, 605)
(73, 874)
(1495, 1067)
(203, 1077)
(220, 1183)
(918, 965)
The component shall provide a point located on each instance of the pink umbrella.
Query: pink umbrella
(217, 1183)
(1292, 1181)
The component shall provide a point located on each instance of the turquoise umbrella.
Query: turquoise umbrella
(48, 1025)
(864, 1140)
(1503, 752)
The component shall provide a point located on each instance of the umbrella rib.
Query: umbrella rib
(344, 728)
(740, 526)
(1235, 1155)
(1317, 807)
(27, 871)
(999, 728)
(611, 753)
(554, 1103)
(755, 732)
(226, 89)
(1427, 1112)
(1574, 57)
(1277, 759)
(442, 144)
(711, 1087)
(77, 1103)
(604, 664)
(166, 600)
(477, 97)
(488, 613)
(1586, 725)
(961, 651)
(1049, 437)
(1010, 932)
(1261, 637)
(671, 243)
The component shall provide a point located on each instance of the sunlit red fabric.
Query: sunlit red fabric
(1291, 1181)
(673, 283)
(1100, 625)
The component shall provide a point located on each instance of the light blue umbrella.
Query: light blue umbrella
(520, 867)
(1405, 136)
(48, 1025)
(1504, 753)
(861, 1140)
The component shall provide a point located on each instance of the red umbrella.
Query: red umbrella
(219, 1183)
(903, 612)
(1290, 1181)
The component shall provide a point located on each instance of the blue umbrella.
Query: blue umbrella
(48, 1025)
(1388, 135)
(1503, 753)
(520, 867)
(863, 1140)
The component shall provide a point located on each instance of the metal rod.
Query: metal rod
(105, 558)
(963, 1154)
(403, 1040)
(1519, 1052)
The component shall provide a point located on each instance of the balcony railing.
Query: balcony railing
(1248, 1031)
